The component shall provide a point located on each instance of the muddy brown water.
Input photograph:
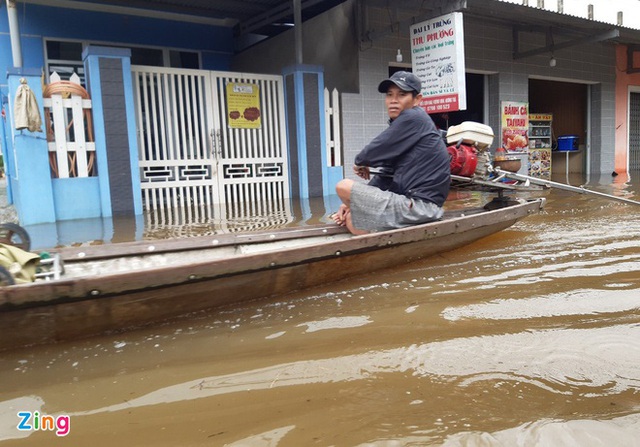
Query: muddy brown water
(530, 337)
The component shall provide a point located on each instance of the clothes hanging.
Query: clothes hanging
(26, 110)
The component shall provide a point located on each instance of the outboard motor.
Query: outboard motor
(467, 143)
(464, 159)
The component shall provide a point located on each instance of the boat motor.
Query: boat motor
(464, 159)
(468, 145)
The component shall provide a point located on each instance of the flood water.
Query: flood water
(530, 337)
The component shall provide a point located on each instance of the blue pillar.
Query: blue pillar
(109, 82)
(308, 166)
(29, 174)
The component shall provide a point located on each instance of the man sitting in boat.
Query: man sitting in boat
(412, 161)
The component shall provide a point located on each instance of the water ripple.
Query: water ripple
(589, 362)
(596, 267)
(622, 431)
(577, 302)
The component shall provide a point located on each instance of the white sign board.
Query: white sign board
(437, 55)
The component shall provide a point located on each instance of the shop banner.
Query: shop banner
(437, 55)
(243, 106)
(515, 126)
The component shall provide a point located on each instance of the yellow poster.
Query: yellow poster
(243, 106)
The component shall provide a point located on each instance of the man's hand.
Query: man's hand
(362, 172)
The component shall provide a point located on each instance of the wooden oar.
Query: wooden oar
(563, 186)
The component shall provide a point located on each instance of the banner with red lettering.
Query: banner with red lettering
(515, 126)
(437, 57)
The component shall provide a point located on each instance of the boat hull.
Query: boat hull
(71, 308)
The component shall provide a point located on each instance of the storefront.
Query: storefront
(558, 65)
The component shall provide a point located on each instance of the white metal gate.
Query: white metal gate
(189, 155)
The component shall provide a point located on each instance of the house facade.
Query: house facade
(591, 88)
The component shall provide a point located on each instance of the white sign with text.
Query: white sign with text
(437, 55)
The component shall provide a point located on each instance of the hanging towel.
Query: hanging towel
(26, 110)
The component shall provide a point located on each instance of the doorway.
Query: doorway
(475, 105)
(568, 103)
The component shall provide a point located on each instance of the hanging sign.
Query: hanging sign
(515, 126)
(243, 106)
(437, 55)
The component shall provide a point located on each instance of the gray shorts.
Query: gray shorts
(373, 209)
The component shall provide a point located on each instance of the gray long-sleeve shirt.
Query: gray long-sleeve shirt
(412, 149)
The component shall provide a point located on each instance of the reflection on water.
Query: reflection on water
(166, 223)
(214, 218)
(217, 218)
(530, 337)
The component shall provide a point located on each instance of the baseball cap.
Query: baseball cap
(404, 80)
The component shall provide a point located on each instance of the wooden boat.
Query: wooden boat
(114, 287)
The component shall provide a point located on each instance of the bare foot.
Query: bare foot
(340, 216)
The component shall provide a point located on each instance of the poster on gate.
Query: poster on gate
(243, 106)
(515, 126)
(437, 58)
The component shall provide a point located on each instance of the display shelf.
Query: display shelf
(540, 131)
(540, 144)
